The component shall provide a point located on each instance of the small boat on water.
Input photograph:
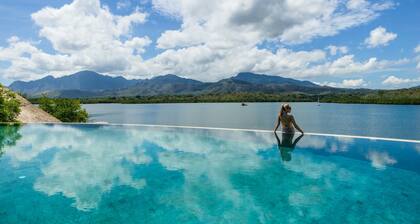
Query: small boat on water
(318, 102)
(244, 104)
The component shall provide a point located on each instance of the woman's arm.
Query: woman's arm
(277, 124)
(296, 125)
(297, 140)
(278, 140)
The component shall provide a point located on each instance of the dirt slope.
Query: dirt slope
(32, 114)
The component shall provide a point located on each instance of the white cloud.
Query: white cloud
(28, 62)
(347, 83)
(348, 65)
(417, 58)
(353, 82)
(380, 160)
(417, 49)
(123, 4)
(356, 4)
(13, 39)
(213, 64)
(208, 64)
(337, 49)
(379, 37)
(217, 39)
(393, 80)
(248, 22)
(84, 34)
(138, 44)
(83, 25)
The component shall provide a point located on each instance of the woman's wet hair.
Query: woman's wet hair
(284, 109)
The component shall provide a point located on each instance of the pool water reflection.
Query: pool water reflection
(124, 174)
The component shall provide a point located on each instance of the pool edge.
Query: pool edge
(227, 129)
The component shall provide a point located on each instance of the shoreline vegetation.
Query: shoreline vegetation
(15, 109)
(66, 110)
(400, 96)
(9, 105)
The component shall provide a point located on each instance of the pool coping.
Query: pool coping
(229, 129)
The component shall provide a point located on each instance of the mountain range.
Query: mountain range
(86, 84)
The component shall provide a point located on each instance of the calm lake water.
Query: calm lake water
(393, 121)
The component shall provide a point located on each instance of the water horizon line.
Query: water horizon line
(229, 129)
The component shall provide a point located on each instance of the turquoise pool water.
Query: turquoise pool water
(124, 174)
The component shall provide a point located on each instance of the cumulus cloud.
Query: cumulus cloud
(347, 83)
(213, 64)
(216, 39)
(122, 4)
(337, 49)
(380, 160)
(353, 82)
(417, 59)
(356, 4)
(379, 37)
(28, 62)
(393, 80)
(417, 49)
(348, 65)
(84, 34)
(249, 21)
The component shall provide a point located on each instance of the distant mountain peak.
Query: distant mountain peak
(89, 83)
(48, 77)
(167, 76)
(248, 74)
(87, 73)
(171, 78)
(270, 79)
(83, 81)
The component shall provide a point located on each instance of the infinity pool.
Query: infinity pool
(138, 174)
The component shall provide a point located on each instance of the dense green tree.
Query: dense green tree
(9, 105)
(66, 110)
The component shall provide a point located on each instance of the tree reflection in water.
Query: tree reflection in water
(9, 135)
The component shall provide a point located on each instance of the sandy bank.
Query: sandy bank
(32, 114)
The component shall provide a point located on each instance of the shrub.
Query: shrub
(66, 110)
(9, 105)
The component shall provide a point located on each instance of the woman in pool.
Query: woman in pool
(288, 123)
(286, 145)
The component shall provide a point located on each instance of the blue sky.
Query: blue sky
(347, 43)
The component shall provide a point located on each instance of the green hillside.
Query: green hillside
(401, 96)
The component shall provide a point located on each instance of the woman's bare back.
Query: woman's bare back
(287, 124)
(287, 121)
